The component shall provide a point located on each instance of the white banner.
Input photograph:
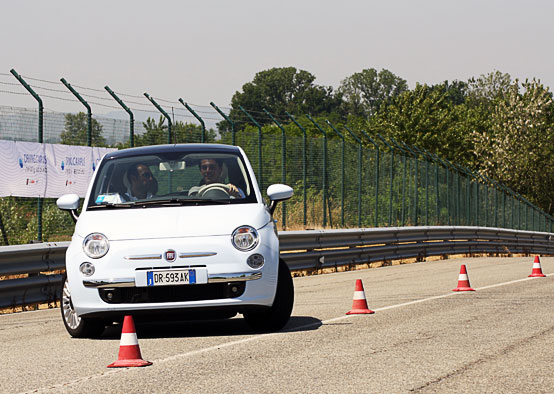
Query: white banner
(30, 169)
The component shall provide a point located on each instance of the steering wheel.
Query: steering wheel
(215, 187)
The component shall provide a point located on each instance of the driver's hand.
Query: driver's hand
(233, 190)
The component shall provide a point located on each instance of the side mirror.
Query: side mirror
(276, 193)
(69, 202)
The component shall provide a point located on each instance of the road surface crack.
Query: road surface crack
(507, 349)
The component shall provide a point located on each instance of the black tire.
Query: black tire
(77, 327)
(275, 318)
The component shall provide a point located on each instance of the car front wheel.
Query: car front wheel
(275, 318)
(77, 327)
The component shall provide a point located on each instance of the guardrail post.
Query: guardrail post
(342, 173)
(377, 160)
(283, 163)
(359, 175)
(304, 138)
(131, 116)
(86, 105)
(259, 141)
(40, 140)
(203, 135)
(324, 169)
(233, 137)
(159, 108)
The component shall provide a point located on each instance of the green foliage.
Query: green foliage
(281, 90)
(519, 149)
(430, 117)
(156, 133)
(75, 132)
(366, 91)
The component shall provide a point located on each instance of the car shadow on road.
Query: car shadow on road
(206, 328)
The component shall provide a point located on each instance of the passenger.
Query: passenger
(142, 184)
(211, 171)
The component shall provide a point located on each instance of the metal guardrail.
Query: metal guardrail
(312, 249)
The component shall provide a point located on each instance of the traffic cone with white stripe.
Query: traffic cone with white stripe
(129, 351)
(463, 281)
(359, 303)
(537, 270)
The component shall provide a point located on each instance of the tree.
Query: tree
(431, 117)
(364, 92)
(279, 90)
(519, 149)
(75, 132)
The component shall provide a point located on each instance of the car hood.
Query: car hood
(168, 222)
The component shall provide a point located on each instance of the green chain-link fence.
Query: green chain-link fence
(342, 178)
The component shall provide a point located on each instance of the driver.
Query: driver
(211, 171)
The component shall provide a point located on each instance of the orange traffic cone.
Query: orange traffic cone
(359, 303)
(129, 351)
(463, 281)
(537, 270)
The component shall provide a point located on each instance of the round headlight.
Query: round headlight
(96, 245)
(245, 238)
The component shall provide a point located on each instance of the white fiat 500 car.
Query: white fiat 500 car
(175, 231)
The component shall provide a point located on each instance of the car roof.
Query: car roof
(156, 149)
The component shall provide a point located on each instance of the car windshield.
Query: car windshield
(172, 178)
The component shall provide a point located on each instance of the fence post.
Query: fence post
(403, 151)
(359, 175)
(203, 136)
(87, 106)
(259, 142)
(342, 175)
(377, 160)
(324, 169)
(411, 148)
(228, 120)
(283, 162)
(436, 163)
(391, 172)
(40, 140)
(159, 108)
(3, 230)
(424, 155)
(303, 161)
(487, 201)
(131, 116)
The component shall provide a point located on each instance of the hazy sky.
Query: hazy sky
(206, 50)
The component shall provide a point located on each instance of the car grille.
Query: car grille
(137, 295)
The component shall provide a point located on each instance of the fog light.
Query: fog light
(87, 269)
(255, 261)
(109, 296)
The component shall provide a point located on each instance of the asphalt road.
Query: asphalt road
(423, 338)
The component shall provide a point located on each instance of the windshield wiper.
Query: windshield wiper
(130, 204)
(181, 201)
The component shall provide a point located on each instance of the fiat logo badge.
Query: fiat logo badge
(170, 255)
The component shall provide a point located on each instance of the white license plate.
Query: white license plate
(170, 277)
